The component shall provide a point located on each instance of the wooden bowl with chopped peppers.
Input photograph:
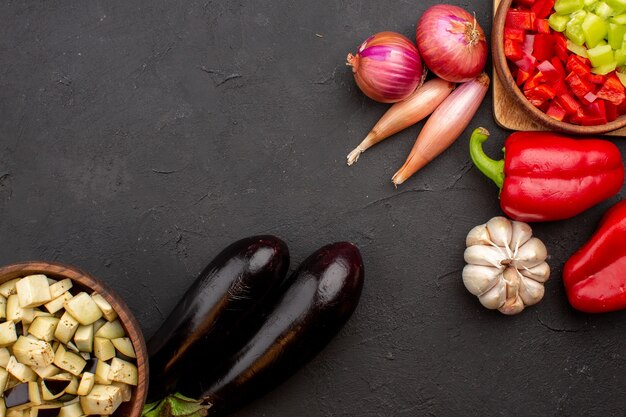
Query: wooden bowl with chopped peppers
(68, 344)
(560, 62)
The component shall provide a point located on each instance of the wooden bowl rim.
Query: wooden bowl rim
(510, 86)
(126, 317)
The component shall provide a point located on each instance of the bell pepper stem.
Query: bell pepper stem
(491, 168)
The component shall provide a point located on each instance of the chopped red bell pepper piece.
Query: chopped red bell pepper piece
(536, 79)
(526, 3)
(612, 90)
(521, 76)
(560, 46)
(542, 8)
(594, 276)
(569, 103)
(596, 78)
(542, 26)
(579, 86)
(520, 19)
(556, 111)
(513, 34)
(560, 87)
(611, 111)
(543, 47)
(513, 50)
(548, 70)
(546, 176)
(558, 66)
(540, 95)
(592, 114)
(578, 66)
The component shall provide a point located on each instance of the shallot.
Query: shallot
(444, 126)
(405, 113)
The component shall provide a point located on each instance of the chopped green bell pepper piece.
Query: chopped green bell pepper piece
(568, 6)
(601, 55)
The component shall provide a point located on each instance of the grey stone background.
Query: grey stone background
(138, 138)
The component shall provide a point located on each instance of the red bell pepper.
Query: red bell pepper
(542, 8)
(595, 276)
(612, 90)
(545, 176)
(513, 50)
(520, 19)
(543, 47)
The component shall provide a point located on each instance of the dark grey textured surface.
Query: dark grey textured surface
(138, 138)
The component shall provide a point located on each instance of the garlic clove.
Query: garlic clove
(530, 254)
(484, 255)
(512, 306)
(512, 279)
(539, 273)
(520, 235)
(479, 235)
(495, 297)
(531, 291)
(500, 231)
(479, 279)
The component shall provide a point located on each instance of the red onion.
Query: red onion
(387, 67)
(451, 43)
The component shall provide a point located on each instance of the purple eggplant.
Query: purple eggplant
(318, 300)
(223, 305)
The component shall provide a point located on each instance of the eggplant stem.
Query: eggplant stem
(176, 405)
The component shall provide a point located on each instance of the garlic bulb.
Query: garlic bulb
(506, 267)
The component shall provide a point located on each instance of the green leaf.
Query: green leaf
(176, 405)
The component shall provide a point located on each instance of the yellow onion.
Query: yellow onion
(387, 67)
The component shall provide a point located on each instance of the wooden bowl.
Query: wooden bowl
(90, 284)
(502, 69)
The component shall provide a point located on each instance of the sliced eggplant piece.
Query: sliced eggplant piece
(4, 357)
(69, 361)
(106, 308)
(8, 288)
(66, 328)
(127, 391)
(20, 371)
(8, 333)
(33, 291)
(321, 297)
(16, 313)
(23, 396)
(4, 379)
(87, 382)
(57, 304)
(124, 346)
(103, 348)
(224, 303)
(102, 400)
(111, 330)
(71, 410)
(33, 352)
(122, 371)
(43, 327)
(91, 366)
(83, 308)
(102, 373)
(3, 309)
(47, 371)
(59, 288)
(55, 386)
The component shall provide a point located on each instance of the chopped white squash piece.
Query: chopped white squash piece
(57, 304)
(84, 338)
(111, 330)
(8, 288)
(71, 410)
(122, 371)
(60, 287)
(83, 308)
(69, 361)
(43, 327)
(124, 346)
(102, 373)
(20, 371)
(33, 291)
(33, 352)
(103, 400)
(107, 311)
(86, 383)
(66, 328)
(103, 348)
(8, 334)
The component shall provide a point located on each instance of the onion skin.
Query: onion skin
(451, 43)
(387, 67)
